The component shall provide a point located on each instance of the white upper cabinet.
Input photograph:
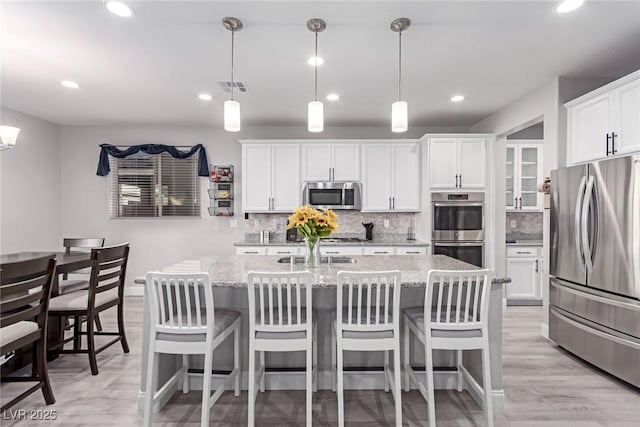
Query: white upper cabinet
(376, 179)
(271, 177)
(524, 173)
(627, 113)
(471, 162)
(256, 177)
(391, 177)
(605, 122)
(406, 177)
(286, 187)
(330, 162)
(457, 162)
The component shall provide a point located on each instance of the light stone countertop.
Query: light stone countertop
(385, 240)
(231, 271)
(526, 243)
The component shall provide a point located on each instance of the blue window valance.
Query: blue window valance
(107, 150)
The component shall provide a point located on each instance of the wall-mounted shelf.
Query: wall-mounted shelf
(221, 191)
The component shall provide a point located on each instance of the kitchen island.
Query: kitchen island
(228, 276)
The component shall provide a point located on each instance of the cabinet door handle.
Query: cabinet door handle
(460, 186)
(412, 252)
(524, 252)
(333, 174)
(389, 203)
(381, 252)
(536, 266)
(456, 180)
(608, 139)
(393, 203)
(284, 252)
(332, 252)
(250, 252)
(613, 143)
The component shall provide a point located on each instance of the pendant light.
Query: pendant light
(399, 108)
(231, 106)
(315, 109)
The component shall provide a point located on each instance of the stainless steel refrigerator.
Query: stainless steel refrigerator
(594, 294)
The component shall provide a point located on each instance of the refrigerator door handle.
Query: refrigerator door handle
(577, 219)
(584, 221)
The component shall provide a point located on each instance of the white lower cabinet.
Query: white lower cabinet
(251, 250)
(524, 267)
(411, 250)
(380, 250)
(285, 250)
(340, 250)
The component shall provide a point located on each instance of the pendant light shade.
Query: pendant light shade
(399, 117)
(315, 116)
(399, 109)
(315, 109)
(231, 106)
(231, 115)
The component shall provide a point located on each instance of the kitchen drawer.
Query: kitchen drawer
(409, 250)
(522, 251)
(380, 250)
(340, 250)
(251, 250)
(284, 250)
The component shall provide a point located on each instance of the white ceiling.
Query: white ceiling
(150, 68)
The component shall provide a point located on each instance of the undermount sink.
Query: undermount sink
(323, 260)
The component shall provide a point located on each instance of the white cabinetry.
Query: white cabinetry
(605, 122)
(391, 177)
(524, 172)
(333, 250)
(271, 177)
(524, 267)
(457, 162)
(330, 162)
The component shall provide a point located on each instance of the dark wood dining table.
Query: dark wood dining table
(66, 262)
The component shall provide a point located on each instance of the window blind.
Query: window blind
(151, 186)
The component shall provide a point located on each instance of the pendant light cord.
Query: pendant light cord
(315, 95)
(233, 33)
(399, 64)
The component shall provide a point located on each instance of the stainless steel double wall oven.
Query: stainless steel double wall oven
(458, 226)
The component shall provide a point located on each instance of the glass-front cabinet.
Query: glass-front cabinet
(523, 174)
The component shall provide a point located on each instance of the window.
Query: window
(151, 186)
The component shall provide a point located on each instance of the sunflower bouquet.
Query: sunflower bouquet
(313, 224)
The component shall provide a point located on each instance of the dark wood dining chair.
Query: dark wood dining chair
(106, 290)
(25, 289)
(67, 285)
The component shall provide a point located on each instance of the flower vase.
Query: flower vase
(312, 253)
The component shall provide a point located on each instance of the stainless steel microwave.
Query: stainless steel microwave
(333, 195)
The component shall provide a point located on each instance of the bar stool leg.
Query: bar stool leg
(459, 368)
(340, 390)
(251, 402)
(407, 355)
(236, 359)
(397, 386)
(431, 407)
(386, 371)
(333, 357)
(263, 377)
(309, 375)
(486, 382)
(206, 387)
(185, 376)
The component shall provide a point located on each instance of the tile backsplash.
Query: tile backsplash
(528, 225)
(349, 222)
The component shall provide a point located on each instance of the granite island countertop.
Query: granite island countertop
(387, 240)
(526, 243)
(231, 271)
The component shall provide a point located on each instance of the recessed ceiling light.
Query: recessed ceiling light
(567, 6)
(457, 98)
(205, 97)
(333, 97)
(119, 8)
(70, 84)
(315, 60)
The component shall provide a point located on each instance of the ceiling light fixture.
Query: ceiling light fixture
(205, 97)
(119, 8)
(315, 61)
(457, 98)
(315, 110)
(399, 108)
(8, 136)
(231, 106)
(333, 97)
(70, 84)
(567, 6)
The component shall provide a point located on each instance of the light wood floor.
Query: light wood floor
(544, 387)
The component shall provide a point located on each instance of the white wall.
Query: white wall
(159, 242)
(30, 186)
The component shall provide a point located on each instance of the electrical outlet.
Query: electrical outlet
(513, 223)
(386, 223)
(233, 223)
